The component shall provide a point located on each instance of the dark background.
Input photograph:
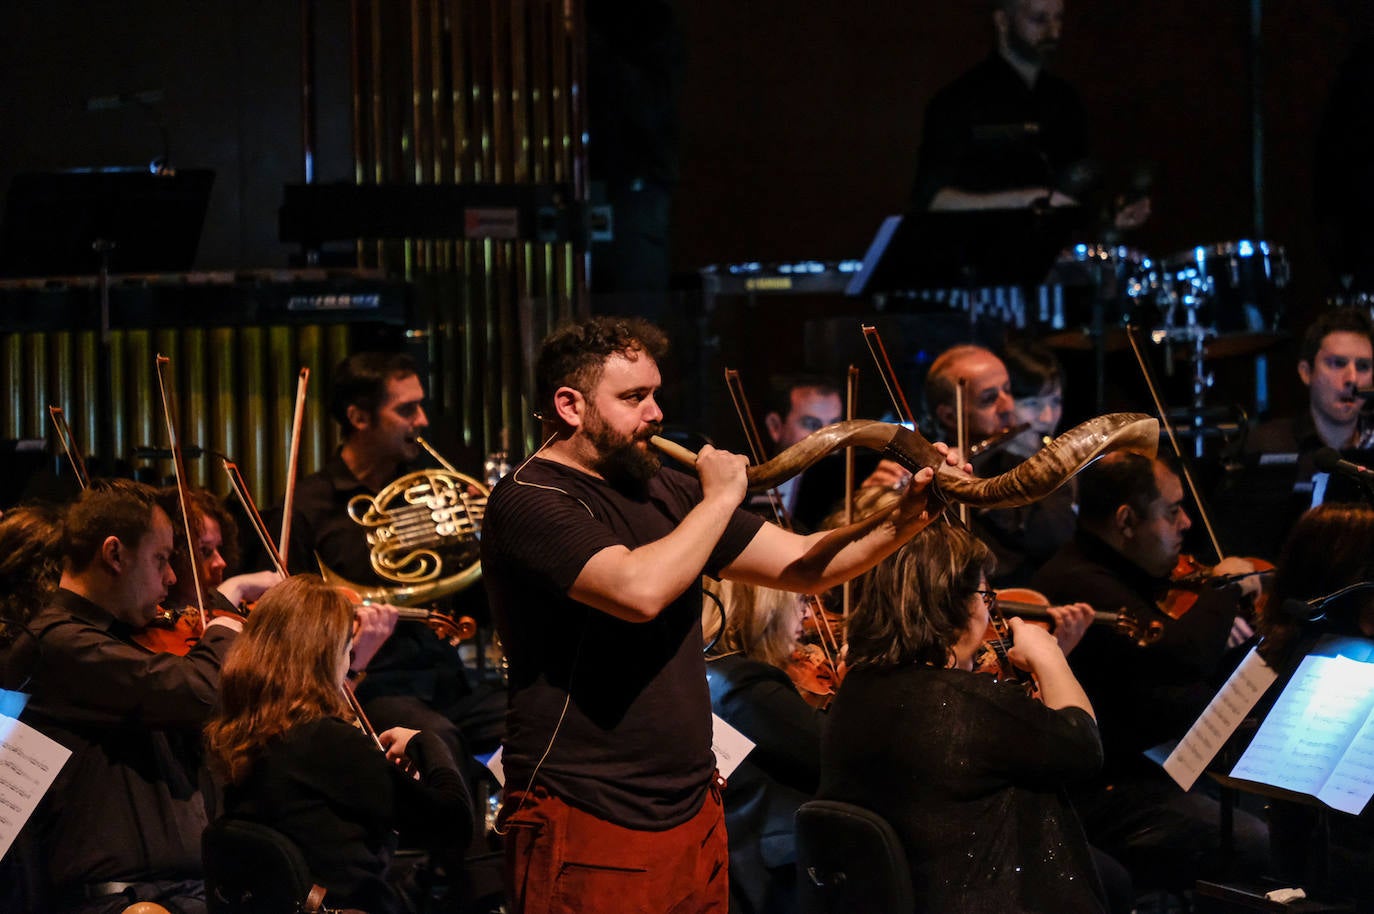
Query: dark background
(799, 122)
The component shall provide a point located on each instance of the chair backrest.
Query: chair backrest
(850, 860)
(254, 869)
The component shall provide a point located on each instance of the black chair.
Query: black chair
(850, 861)
(254, 869)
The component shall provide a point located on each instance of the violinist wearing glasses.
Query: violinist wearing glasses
(284, 742)
(1131, 523)
(969, 770)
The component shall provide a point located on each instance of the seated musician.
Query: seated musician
(1131, 523)
(1021, 538)
(216, 541)
(797, 406)
(122, 822)
(1331, 546)
(970, 771)
(30, 565)
(416, 680)
(748, 674)
(283, 741)
(1275, 480)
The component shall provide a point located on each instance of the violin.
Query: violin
(814, 675)
(1191, 578)
(1034, 606)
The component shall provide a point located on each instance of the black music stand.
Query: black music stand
(962, 248)
(53, 220)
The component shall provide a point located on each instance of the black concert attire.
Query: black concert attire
(781, 773)
(123, 820)
(330, 789)
(1023, 538)
(1273, 481)
(634, 746)
(988, 131)
(415, 680)
(971, 773)
(1146, 696)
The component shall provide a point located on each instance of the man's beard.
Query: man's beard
(619, 458)
(1035, 53)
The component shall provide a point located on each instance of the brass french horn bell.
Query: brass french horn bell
(423, 530)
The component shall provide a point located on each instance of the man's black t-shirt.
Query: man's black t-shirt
(628, 700)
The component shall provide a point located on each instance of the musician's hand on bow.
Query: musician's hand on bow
(1071, 622)
(373, 624)
(395, 741)
(246, 588)
(1251, 584)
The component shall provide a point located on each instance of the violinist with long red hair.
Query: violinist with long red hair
(284, 742)
(123, 820)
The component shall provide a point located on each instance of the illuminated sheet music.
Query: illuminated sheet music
(29, 762)
(1317, 739)
(1218, 722)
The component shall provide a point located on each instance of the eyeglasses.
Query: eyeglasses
(989, 597)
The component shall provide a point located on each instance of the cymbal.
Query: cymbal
(1080, 339)
(1218, 347)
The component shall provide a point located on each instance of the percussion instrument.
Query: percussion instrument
(1229, 294)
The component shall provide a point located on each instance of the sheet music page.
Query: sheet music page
(729, 745)
(1219, 720)
(1311, 726)
(29, 763)
(1351, 785)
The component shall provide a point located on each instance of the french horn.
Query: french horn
(424, 534)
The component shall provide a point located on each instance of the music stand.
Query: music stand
(963, 248)
(53, 219)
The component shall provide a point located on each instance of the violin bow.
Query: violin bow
(292, 460)
(64, 437)
(829, 643)
(240, 489)
(1173, 440)
(164, 364)
(874, 340)
(851, 404)
(961, 432)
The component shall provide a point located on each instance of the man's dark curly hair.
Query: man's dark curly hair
(575, 355)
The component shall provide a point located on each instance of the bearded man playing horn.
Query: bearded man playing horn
(592, 554)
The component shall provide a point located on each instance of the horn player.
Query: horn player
(415, 680)
(592, 554)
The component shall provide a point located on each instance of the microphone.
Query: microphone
(1329, 460)
(1365, 393)
(1314, 610)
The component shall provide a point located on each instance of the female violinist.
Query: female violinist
(969, 771)
(747, 672)
(283, 742)
(212, 530)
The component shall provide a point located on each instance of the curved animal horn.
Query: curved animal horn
(1030, 481)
